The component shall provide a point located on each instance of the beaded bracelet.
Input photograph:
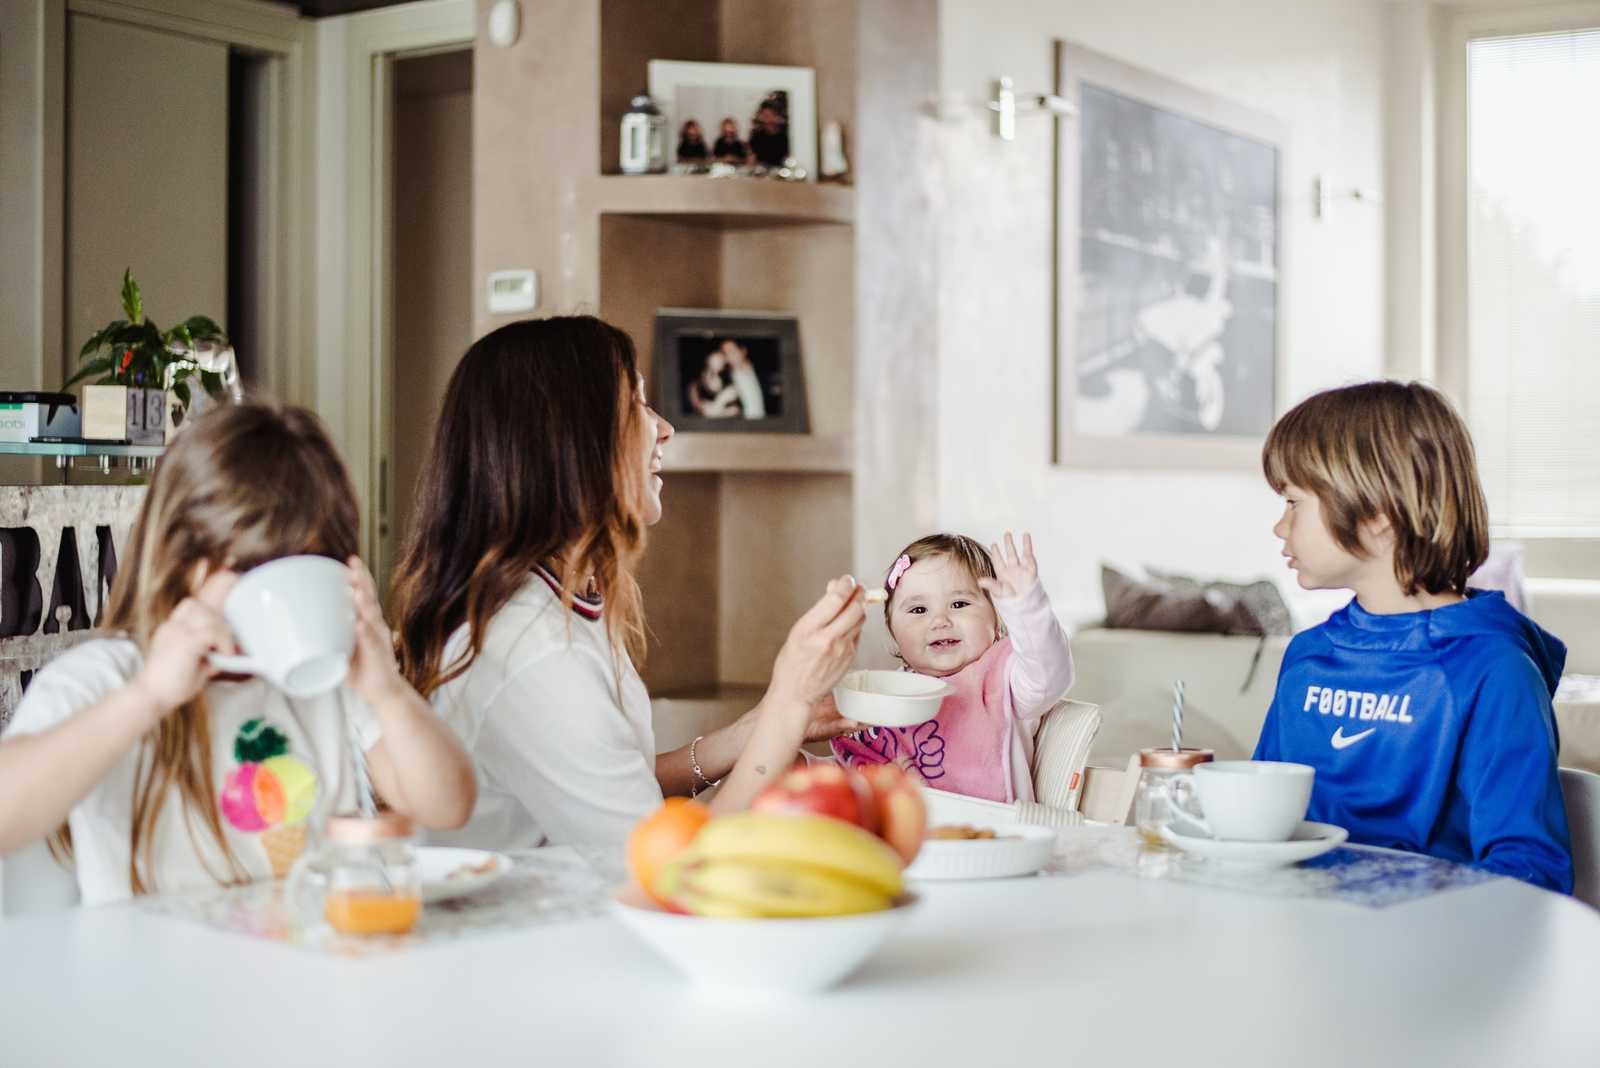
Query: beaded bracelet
(701, 782)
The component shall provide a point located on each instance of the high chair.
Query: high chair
(1060, 754)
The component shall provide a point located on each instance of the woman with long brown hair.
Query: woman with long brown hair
(519, 614)
(169, 776)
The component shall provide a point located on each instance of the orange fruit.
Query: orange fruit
(661, 836)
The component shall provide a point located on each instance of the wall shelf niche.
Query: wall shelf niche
(754, 524)
(723, 203)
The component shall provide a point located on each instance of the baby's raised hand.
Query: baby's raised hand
(1014, 572)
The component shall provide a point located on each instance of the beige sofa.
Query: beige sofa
(1129, 674)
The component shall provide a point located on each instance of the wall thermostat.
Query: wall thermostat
(513, 291)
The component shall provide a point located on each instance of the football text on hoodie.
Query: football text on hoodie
(1432, 732)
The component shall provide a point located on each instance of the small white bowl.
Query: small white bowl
(889, 698)
(764, 956)
(1016, 849)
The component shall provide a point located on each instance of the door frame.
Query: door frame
(355, 244)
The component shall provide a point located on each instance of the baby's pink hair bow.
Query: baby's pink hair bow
(901, 566)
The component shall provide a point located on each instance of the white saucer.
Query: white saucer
(438, 867)
(1017, 849)
(1310, 840)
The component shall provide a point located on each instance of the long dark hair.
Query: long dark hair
(535, 460)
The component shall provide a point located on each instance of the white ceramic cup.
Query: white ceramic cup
(1244, 800)
(294, 622)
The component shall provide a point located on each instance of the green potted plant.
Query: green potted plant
(134, 352)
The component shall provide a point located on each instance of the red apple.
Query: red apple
(823, 790)
(902, 813)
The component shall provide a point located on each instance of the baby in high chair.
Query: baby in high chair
(983, 624)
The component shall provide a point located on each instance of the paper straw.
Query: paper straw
(365, 803)
(1177, 715)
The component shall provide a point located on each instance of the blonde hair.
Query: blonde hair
(242, 485)
(1393, 450)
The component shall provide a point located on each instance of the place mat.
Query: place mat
(1355, 875)
(554, 884)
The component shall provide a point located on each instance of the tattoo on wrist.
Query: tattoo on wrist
(761, 769)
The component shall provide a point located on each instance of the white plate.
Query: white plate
(1310, 840)
(436, 863)
(1023, 850)
(889, 698)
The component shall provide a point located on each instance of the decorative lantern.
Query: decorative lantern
(644, 138)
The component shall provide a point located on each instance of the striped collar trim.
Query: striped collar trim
(587, 607)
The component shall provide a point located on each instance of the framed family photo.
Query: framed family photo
(736, 113)
(1168, 211)
(729, 371)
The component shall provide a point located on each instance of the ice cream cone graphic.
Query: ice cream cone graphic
(284, 846)
(270, 792)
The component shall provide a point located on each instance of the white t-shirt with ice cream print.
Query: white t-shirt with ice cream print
(279, 767)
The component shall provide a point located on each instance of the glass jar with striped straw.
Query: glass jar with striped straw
(1152, 804)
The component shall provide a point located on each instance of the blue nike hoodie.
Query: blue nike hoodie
(1431, 731)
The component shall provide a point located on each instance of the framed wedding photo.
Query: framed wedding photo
(729, 371)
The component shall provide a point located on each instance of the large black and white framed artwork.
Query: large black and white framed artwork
(1167, 271)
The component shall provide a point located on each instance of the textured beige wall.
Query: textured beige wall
(898, 177)
(147, 168)
(534, 141)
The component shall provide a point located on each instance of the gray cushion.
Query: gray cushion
(1169, 601)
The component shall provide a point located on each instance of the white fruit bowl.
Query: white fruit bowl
(767, 956)
(889, 698)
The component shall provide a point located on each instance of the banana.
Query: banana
(798, 838)
(672, 885)
(774, 888)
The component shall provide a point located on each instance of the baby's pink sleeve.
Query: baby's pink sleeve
(1041, 659)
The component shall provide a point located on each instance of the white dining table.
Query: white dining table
(1092, 969)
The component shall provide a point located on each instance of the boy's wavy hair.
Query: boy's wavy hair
(1396, 450)
(242, 485)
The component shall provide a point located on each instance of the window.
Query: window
(1533, 279)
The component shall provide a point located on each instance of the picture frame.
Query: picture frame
(769, 107)
(1169, 209)
(716, 371)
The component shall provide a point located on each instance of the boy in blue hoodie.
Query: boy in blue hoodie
(1425, 707)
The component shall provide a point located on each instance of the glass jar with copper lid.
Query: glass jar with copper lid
(363, 879)
(1152, 803)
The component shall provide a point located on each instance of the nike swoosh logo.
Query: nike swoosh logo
(1341, 742)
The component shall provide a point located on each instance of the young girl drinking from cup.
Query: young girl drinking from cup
(169, 775)
(985, 626)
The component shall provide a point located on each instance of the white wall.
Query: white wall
(1317, 66)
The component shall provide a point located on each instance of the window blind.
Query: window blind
(1533, 279)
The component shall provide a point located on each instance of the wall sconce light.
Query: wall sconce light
(1004, 103)
(1007, 105)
